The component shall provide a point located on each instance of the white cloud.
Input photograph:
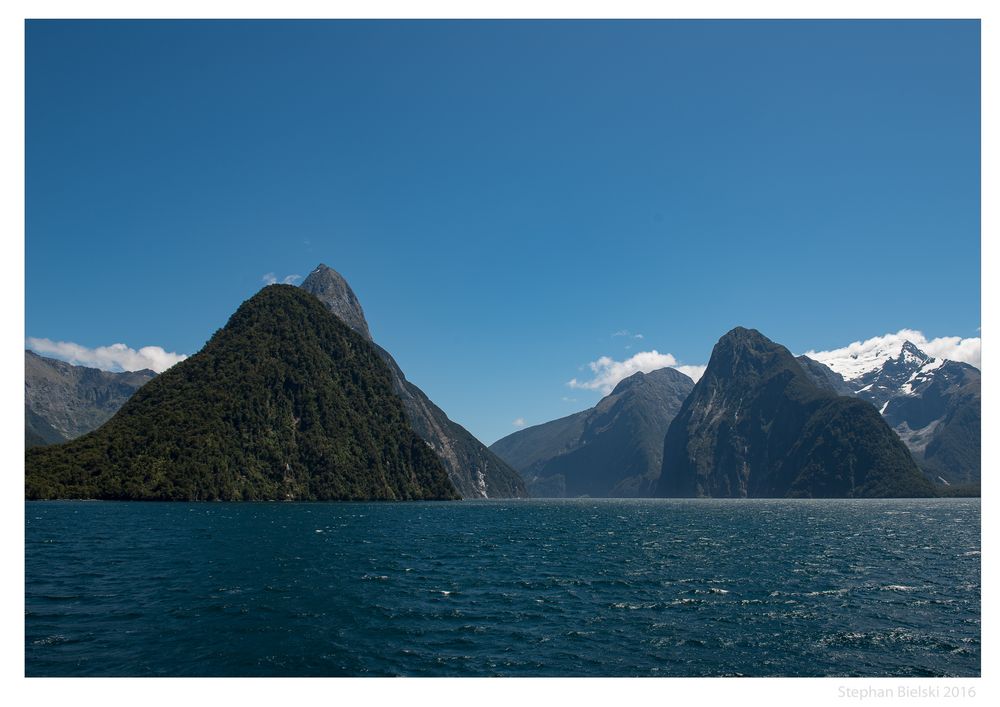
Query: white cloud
(116, 357)
(856, 358)
(608, 372)
(626, 332)
(519, 422)
(271, 279)
(692, 372)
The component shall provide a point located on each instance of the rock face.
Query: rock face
(332, 290)
(757, 425)
(614, 449)
(284, 402)
(934, 405)
(62, 401)
(824, 377)
(938, 415)
(878, 385)
(473, 469)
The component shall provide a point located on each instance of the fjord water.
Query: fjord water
(520, 588)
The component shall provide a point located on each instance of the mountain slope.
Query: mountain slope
(824, 377)
(63, 401)
(934, 405)
(473, 469)
(615, 449)
(529, 449)
(938, 414)
(756, 425)
(284, 402)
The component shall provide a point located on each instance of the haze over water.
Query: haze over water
(520, 588)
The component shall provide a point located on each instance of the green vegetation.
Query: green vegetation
(284, 402)
(848, 451)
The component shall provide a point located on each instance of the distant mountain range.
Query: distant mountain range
(285, 402)
(614, 449)
(934, 405)
(474, 470)
(611, 450)
(62, 401)
(760, 422)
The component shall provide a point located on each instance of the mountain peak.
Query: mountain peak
(910, 351)
(655, 377)
(757, 425)
(330, 287)
(744, 351)
(742, 334)
(626, 383)
(283, 402)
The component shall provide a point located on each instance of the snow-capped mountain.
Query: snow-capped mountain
(896, 376)
(933, 404)
(860, 359)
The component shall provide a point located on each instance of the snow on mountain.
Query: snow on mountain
(931, 401)
(862, 357)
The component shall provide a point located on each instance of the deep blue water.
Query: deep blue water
(578, 588)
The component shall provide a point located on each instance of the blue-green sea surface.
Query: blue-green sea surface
(519, 588)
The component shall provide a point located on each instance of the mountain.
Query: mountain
(825, 377)
(474, 470)
(938, 415)
(757, 425)
(934, 405)
(284, 402)
(62, 401)
(614, 449)
(890, 379)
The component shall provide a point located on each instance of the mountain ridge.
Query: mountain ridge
(613, 449)
(285, 402)
(63, 401)
(757, 425)
(933, 404)
(473, 469)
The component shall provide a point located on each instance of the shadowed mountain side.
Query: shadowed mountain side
(756, 425)
(614, 449)
(473, 469)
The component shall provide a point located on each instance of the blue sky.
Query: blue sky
(504, 197)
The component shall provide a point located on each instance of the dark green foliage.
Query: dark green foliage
(285, 402)
(847, 451)
(757, 425)
(474, 470)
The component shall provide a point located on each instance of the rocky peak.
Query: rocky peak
(910, 352)
(744, 352)
(627, 383)
(330, 287)
(895, 376)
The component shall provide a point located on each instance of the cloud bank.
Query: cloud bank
(117, 357)
(608, 372)
(857, 356)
